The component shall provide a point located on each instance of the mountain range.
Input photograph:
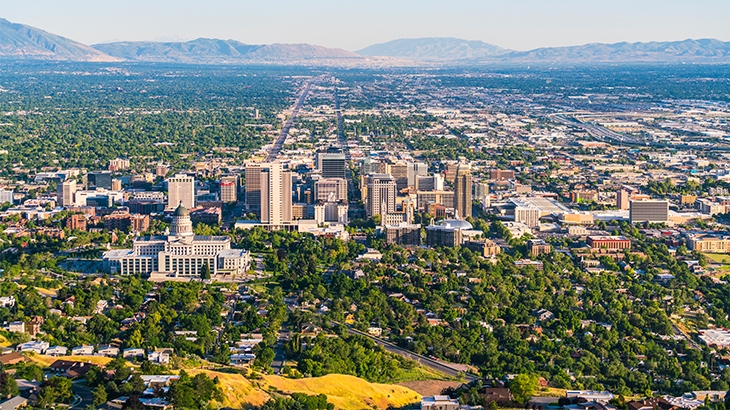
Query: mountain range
(18, 41)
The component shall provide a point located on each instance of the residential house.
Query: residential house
(107, 350)
(13, 403)
(133, 353)
(35, 347)
(86, 350)
(71, 369)
(439, 403)
(57, 351)
(12, 358)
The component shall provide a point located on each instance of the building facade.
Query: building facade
(180, 254)
(180, 189)
(462, 191)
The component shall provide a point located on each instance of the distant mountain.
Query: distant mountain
(434, 48)
(207, 50)
(21, 41)
(666, 51)
(454, 49)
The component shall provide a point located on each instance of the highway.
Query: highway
(432, 364)
(604, 134)
(279, 143)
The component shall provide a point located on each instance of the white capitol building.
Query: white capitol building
(182, 254)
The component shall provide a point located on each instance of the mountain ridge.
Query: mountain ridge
(218, 51)
(449, 48)
(19, 41)
(23, 41)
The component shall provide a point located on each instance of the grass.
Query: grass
(46, 361)
(348, 392)
(718, 258)
(345, 392)
(4, 342)
(550, 392)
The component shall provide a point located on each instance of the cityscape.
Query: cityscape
(361, 230)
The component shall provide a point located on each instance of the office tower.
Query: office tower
(66, 191)
(6, 196)
(98, 179)
(416, 169)
(371, 166)
(381, 194)
(501, 174)
(330, 190)
(180, 189)
(161, 170)
(332, 163)
(276, 194)
(429, 182)
(116, 184)
(253, 188)
(229, 188)
(481, 189)
(622, 199)
(399, 170)
(649, 211)
(462, 191)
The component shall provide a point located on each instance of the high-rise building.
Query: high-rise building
(253, 187)
(429, 182)
(416, 169)
(330, 190)
(501, 174)
(6, 196)
(180, 189)
(462, 191)
(371, 166)
(66, 191)
(98, 179)
(649, 211)
(116, 184)
(381, 195)
(622, 199)
(229, 188)
(399, 170)
(276, 194)
(161, 170)
(332, 163)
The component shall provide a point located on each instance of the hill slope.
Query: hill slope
(665, 51)
(21, 41)
(450, 49)
(433, 48)
(208, 50)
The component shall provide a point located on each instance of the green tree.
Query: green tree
(205, 272)
(523, 387)
(100, 396)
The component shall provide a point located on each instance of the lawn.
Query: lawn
(721, 258)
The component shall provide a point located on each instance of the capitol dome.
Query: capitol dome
(181, 211)
(455, 223)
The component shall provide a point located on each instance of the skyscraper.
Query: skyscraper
(98, 179)
(66, 191)
(180, 189)
(399, 170)
(276, 194)
(332, 163)
(649, 211)
(253, 188)
(622, 199)
(330, 190)
(229, 188)
(381, 194)
(462, 191)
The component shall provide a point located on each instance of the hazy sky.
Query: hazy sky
(354, 24)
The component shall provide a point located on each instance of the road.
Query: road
(436, 365)
(279, 143)
(279, 352)
(84, 396)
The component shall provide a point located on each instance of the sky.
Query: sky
(355, 24)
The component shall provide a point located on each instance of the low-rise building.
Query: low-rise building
(614, 243)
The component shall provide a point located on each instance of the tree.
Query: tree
(205, 272)
(100, 396)
(523, 387)
(8, 386)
